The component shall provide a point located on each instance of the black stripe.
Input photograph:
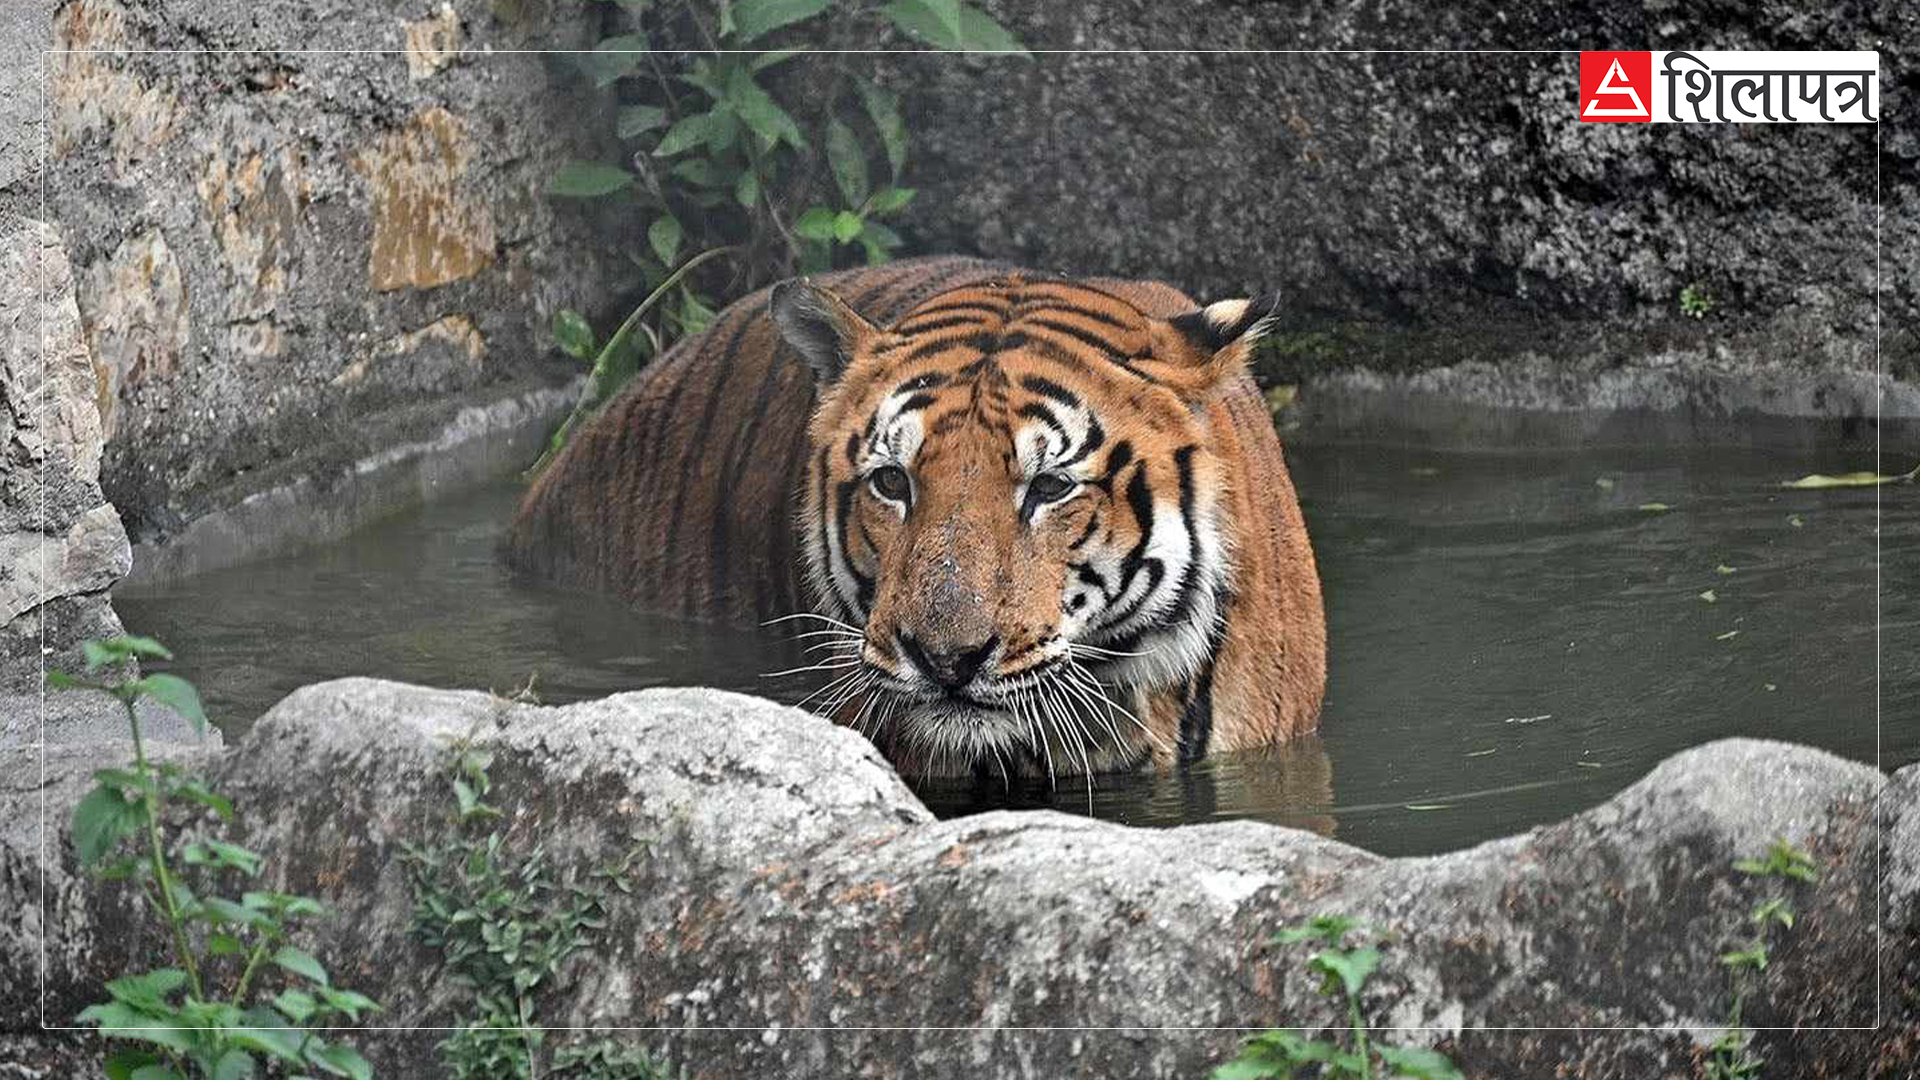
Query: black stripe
(1067, 307)
(1085, 337)
(936, 325)
(923, 381)
(994, 311)
(1046, 387)
(1196, 721)
(1183, 599)
(1095, 436)
(1093, 524)
(1033, 410)
(982, 342)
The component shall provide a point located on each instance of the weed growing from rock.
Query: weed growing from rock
(189, 1027)
(506, 927)
(1282, 1055)
(1733, 1056)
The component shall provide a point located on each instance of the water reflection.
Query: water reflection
(1512, 637)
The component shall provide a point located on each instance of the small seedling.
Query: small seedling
(1732, 1055)
(188, 1026)
(1280, 1055)
(506, 928)
(1695, 302)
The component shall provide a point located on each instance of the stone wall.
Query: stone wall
(1446, 232)
(287, 262)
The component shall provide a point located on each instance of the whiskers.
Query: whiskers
(1058, 716)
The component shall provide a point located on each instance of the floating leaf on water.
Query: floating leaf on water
(1852, 479)
(1709, 597)
(1423, 807)
(1723, 569)
(1590, 764)
(1482, 753)
(1728, 636)
(1770, 687)
(1605, 483)
(1795, 520)
(1529, 719)
(1654, 508)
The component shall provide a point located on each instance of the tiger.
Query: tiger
(1038, 523)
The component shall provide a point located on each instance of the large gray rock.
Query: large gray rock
(289, 263)
(795, 892)
(61, 543)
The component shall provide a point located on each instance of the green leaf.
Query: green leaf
(935, 21)
(301, 963)
(148, 991)
(696, 171)
(101, 820)
(60, 680)
(847, 225)
(763, 115)
(122, 1021)
(121, 1064)
(883, 108)
(1351, 968)
(235, 1064)
(1418, 1062)
(614, 58)
(639, 119)
(278, 1042)
(196, 791)
(777, 56)
(664, 237)
(947, 24)
(755, 18)
(879, 242)
(746, 190)
(348, 1001)
(587, 180)
(889, 200)
(157, 1072)
(1328, 928)
(1653, 508)
(981, 32)
(223, 944)
(815, 224)
(177, 694)
(573, 334)
(848, 160)
(296, 1005)
(1816, 481)
(115, 649)
(685, 135)
(341, 1061)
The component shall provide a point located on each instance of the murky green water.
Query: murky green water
(1512, 638)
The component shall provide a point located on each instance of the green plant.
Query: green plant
(505, 929)
(1733, 1057)
(188, 1026)
(785, 175)
(1695, 302)
(1281, 1055)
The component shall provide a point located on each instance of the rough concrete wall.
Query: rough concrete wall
(286, 262)
(1437, 210)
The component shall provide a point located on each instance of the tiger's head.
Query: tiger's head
(1014, 515)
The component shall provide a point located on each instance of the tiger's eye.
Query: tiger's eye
(1051, 487)
(890, 482)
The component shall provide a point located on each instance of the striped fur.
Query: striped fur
(1048, 519)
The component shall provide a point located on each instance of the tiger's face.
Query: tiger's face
(1013, 514)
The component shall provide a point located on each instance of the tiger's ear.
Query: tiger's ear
(820, 327)
(1198, 350)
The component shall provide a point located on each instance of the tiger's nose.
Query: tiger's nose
(948, 668)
